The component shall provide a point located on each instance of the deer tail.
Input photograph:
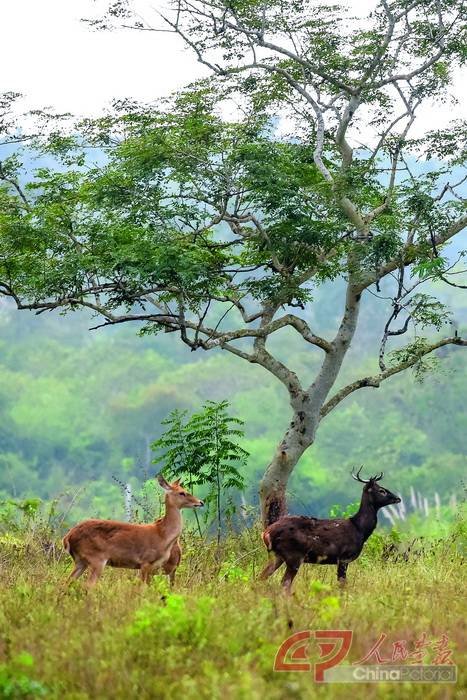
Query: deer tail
(266, 537)
(66, 544)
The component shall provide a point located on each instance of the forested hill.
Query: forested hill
(79, 406)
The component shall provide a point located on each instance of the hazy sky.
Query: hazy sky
(56, 61)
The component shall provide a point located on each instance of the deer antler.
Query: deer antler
(357, 476)
(365, 481)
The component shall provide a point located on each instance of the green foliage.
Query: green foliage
(28, 507)
(152, 226)
(231, 569)
(430, 267)
(200, 450)
(325, 607)
(154, 206)
(428, 311)
(15, 683)
(339, 512)
(45, 519)
(414, 351)
(381, 545)
(173, 621)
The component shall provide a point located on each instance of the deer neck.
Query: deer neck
(172, 521)
(366, 517)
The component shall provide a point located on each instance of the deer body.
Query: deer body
(94, 544)
(295, 539)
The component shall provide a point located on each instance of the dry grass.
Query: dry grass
(215, 639)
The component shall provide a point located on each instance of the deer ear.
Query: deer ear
(176, 483)
(165, 485)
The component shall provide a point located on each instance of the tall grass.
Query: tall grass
(216, 634)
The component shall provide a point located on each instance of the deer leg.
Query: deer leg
(291, 571)
(171, 565)
(170, 570)
(95, 572)
(148, 569)
(143, 576)
(271, 567)
(342, 572)
(80, 568)
(146, 572)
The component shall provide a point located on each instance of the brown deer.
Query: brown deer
(295, 539)
(147, 547)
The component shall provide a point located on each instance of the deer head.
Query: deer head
(379, 496)
(177, 496)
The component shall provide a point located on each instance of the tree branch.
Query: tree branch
(376, 380)
(409, 251)
(15, 184)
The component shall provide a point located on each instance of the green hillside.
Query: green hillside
(81, 409)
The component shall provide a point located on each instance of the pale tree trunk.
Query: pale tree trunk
(273, 485)
(307, 406)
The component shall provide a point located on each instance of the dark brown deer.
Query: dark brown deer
(295, 539)
(147, 547)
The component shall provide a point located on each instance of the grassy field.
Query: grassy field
(216, 634)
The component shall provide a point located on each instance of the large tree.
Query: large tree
(204, 220)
